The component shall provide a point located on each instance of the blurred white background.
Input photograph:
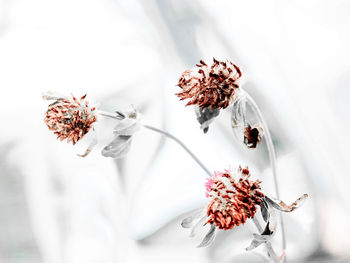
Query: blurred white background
(57, 207)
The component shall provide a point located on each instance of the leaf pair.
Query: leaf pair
(123, 131)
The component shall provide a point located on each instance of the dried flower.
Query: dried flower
(211, 86)
(69, 118)
(252, 135)
(233, 197)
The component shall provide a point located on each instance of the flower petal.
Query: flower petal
(118, 148)
(280, 205)
(209, 237)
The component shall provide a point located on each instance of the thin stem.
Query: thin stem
(194, 157)
(272, 157)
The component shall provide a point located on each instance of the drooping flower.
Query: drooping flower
(210, 88)
(69, 118)
(252, 136)
(233, 198)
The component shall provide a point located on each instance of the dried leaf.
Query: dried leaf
(209, 237)
(280, 205)
(50, 95)
(205, 116)
(118, 148)
(265, 211)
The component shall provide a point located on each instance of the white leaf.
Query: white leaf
(190, 221)
(209, 237)
(127, 127)
(118, 148)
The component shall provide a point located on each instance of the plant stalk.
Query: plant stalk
(272, 157)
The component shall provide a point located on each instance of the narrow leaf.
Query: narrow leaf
(254, 244)
(265, 211)
(198, 225)
(118, 148)
(190, 220)
(205, 116)
(209, 237)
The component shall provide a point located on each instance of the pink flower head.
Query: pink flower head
(211, 86)
(69, 118)
(232, 198)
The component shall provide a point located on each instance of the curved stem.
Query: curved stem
(272, 157)
(194, 157)
(178, 141)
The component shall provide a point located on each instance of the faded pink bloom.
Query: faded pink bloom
(70, 118)
(233, 199)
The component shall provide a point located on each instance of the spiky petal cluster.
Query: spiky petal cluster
(69, 118)
(211, 86)
(252, 136)
(233, 198)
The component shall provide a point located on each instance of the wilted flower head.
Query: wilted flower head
(233, 198)
(211, 86)
(252, 135)
(69, 118)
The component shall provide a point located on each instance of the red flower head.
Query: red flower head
(69, 118)
(211, 86)
(232, 198)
